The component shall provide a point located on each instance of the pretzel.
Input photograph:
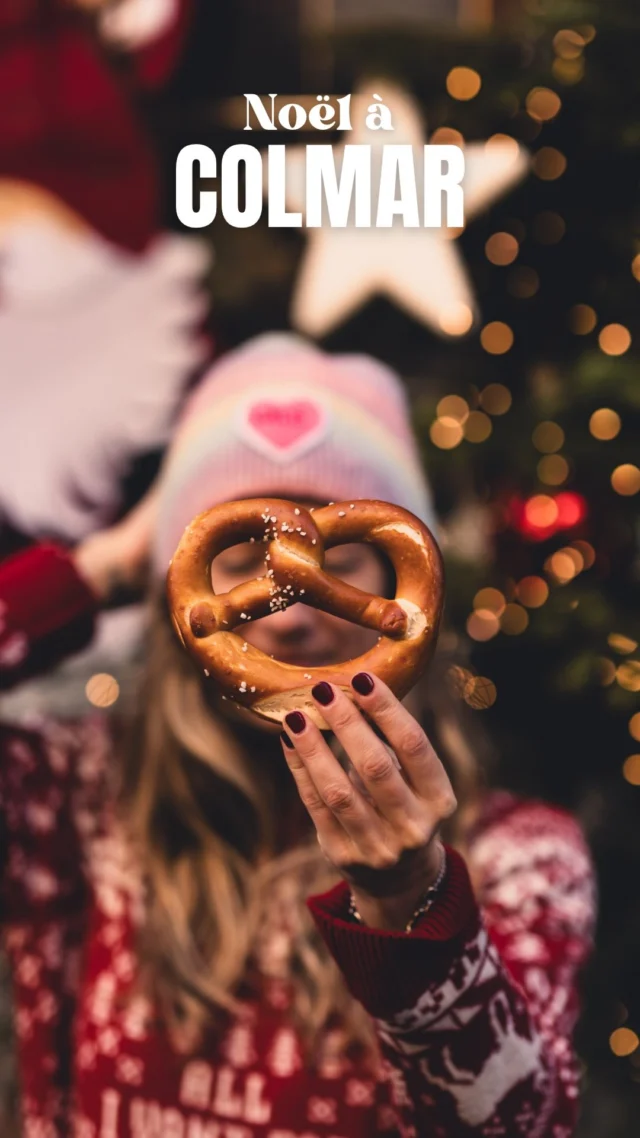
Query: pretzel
(294, 541)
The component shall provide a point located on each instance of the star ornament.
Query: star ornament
(420, 269)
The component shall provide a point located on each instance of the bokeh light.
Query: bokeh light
(634, 726)
(626, 479)
(523, 282)
(480, 693)
(532, 591)
(491, 599)
(553, 469)
(549, 163)
(635, 266)
(456, 319)
(482, 624)
(562, 566)
(541, 511)
(548, 437)
(549, 227)
(505, 143)
(463, 83)
(446, 433)
(568, 43)
(478, 427)
(453, 407)
(514, 619)
(543, 104)
(582, 319)
(496, 338)
(605, 424)
(614, 339)
(628, 675)
(586, 551)
(102, 690)
(624, 645)
(495, 398)
(501, 248)
(631, 769)
(623, 1041)
(447, 136)
(606, 670)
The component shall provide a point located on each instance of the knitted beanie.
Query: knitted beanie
(279, 417)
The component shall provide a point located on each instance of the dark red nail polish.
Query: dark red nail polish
(323, 692)
(363, 683)
(286, 740)
(295, 721)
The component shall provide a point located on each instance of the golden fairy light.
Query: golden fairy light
(543, 104)
(480, 693)
(606, 671)
(634, 726)
(463, 83)
(453, 407)
(549, 227)
(532, 591)
(523, 282)
(587, 31)
(561, 566)
(491, 599)
(586, 551)
(548, 437)
(456, 319)
(626, 479)
(553, 469)
(628, 675)
(496, 338)
(495, 398)
(549, 163)
(623, 1041)
(631, 769)
(635, 266)
(501, 248)
(505, 143)
(102, 690)
(447, 136)
(623, 645)
(614, 339)
(482, 624)
(568, 71)
(605, 424)
(582, 319)
(541, 511)
(446, 433)
(568, 43)
(478, 427)
(514, 619)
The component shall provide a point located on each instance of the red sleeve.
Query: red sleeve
(464, 1045)
(47, 612)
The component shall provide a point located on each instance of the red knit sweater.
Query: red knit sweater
(474, 1008)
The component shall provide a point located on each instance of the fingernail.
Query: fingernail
(323, 692)
(363, 683)
(286, 740)
(295, 721)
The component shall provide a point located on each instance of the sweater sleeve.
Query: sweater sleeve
(47, 612)
(473, 1041)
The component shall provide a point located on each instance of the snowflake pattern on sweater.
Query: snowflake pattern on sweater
(474, 1009)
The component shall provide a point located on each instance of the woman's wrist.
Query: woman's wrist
(400, 911)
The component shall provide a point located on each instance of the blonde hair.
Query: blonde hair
(194, 807)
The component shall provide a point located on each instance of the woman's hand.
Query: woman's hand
(377, 825)
(118, 557)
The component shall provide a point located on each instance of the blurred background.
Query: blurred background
(525, 391)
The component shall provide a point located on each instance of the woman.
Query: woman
(226, 935)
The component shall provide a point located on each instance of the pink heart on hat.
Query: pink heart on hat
(283, 429)
(284, 423)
